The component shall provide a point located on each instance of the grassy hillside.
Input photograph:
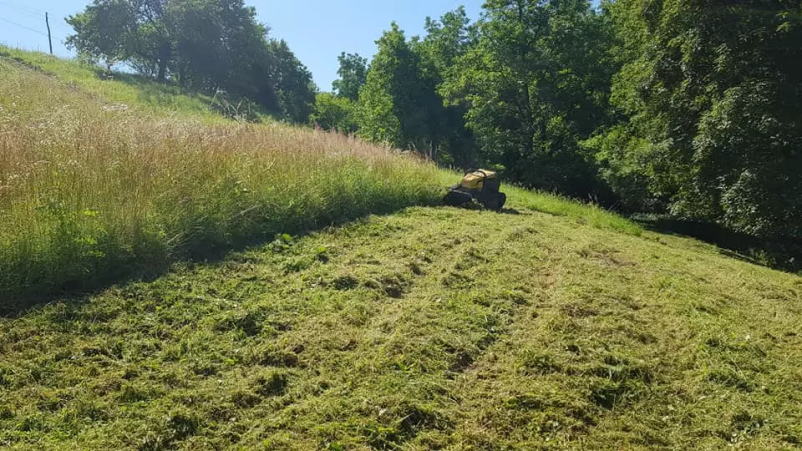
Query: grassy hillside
(553, 325)
(117, 90)
(91, 192)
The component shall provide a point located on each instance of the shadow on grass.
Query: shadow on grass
(78, 292)
(150, 92)
(172, 96)
(204, 252)
(783, 255)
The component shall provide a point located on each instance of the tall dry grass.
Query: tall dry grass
(90, 192)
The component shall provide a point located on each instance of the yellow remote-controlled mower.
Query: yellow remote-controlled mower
(481, 186)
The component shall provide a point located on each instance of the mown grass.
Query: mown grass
(90, 192)
(433, 328)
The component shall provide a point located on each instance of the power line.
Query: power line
(34, 13)
(23, 26)
(34, 30)
(26, 8)
(26, 13)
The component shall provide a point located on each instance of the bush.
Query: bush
(334, 113)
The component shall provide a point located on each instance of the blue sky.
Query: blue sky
(316, 30)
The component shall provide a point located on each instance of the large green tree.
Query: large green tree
(292, 83)
(125, 30)
(205, 45)
(537, 84)
(398, 104)
(200, 42)
(713, 92)
(447, 40)
(353, 72)
(217, 43)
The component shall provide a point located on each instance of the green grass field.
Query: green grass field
(553, 325)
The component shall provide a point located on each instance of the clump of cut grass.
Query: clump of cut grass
(90, 193)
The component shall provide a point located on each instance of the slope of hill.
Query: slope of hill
(553, 325)
(119, 90)
(92, 190)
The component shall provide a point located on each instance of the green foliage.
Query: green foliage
(447, 40)
(623, 164)
(749, 143)
(536, 84)
(196, 41)
(292, 83)
(353, 75)
(333, 112)
(203, 45)
(398, 104)
(216, 44)
(376, 118)
(712, 96)
(111, 30)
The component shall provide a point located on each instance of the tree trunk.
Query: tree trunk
(162, 70)
(182, 76)
(165, 50)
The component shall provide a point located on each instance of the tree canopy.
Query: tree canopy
(712, 94)
(398, 104)
(689, 108)
(206, 45)
(353, 74)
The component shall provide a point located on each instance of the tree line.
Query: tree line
(683, 107)
(691, 108)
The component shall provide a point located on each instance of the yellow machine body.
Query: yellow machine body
(476, 180)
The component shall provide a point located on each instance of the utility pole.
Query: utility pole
(49, 38)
